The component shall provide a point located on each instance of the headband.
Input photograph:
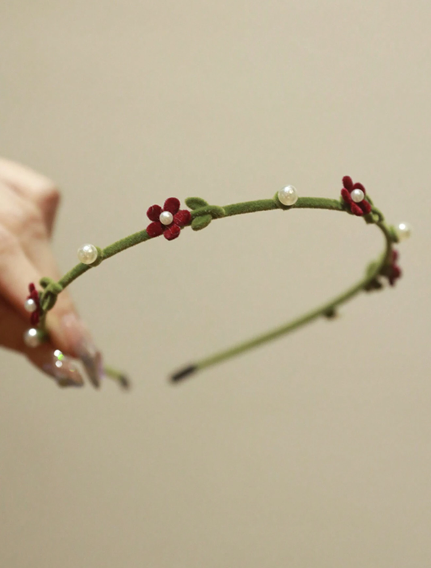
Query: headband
(170, 220)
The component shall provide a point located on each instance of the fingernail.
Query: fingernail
(64, 370)
(80, 339)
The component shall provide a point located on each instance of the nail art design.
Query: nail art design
(80, 339)
(64, 370)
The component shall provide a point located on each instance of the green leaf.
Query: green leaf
(201, 222)
(394, 235)
(195, 202)
(217, 212)
(47, 301)
(371, 268)
(370, 218)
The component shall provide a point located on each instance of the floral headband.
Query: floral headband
(170, 220)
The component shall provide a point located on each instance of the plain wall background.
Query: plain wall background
(313, 451)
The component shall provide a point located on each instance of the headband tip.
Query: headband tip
(183, 373)
(124, 382)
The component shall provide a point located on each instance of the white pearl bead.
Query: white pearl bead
(288, 195)
(30, 305)
(404, 231)
(357, 195)
(87, 254)
(166, 218)
(31, 337)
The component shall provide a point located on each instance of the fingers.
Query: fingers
(16, 271)
(51, 361)
(66, 331)
(28, 204)
(26, 250)
(33, 187)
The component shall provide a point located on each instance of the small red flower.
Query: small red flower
(34, 295)
(392, 271)
(167, 221)
(361, 208)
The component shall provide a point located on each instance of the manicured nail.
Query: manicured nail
(82, 343)
(64, 370)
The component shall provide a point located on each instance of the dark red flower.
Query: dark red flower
(167, 221)
(361, 208)
(392, 271)
(34, 295)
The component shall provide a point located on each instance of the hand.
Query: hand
(28, 206)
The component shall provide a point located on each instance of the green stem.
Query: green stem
(375, 217)
(118, 376)
(307, 318)
(234, 209)
(107, 252)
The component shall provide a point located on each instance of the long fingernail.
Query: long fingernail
(64, 370)
(82, 343)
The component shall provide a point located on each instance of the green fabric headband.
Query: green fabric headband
(169, 222)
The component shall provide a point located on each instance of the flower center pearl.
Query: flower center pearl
(30, 305)
(357, 195)
(166, 218)
(288, 195)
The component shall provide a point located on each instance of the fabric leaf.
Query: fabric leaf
(201, 222)
(195, 202)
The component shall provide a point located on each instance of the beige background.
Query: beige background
(311, 452)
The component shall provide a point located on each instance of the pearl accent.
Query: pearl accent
(288, 195)
(357, 195)
(59, 359)
(30, 305)
(87, 254)
(31, 337)
(166, 218)
(404, 231)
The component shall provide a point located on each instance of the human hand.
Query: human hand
(28, 206)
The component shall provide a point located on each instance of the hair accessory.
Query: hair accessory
(170, 220)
